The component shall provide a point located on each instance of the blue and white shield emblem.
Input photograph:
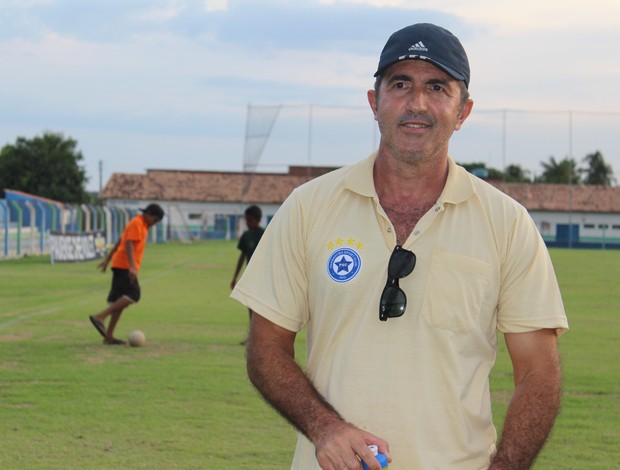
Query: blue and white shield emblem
(344, 264)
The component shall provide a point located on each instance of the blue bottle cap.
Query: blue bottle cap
(382, 460)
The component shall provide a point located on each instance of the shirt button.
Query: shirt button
(389, 229)
(437, 209)
(416, 233)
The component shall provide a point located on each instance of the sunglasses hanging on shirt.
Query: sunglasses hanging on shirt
(393, 299)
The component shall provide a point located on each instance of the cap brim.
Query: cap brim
(450, 71)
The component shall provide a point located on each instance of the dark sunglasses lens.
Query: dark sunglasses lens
(393, 302)
(401, 263)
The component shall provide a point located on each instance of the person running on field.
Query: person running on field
(126, 257)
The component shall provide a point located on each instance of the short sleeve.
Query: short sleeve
(274, 283)
(530, 297)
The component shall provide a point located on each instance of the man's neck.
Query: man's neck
(407, 191)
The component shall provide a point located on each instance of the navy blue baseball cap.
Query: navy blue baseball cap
(429, 42)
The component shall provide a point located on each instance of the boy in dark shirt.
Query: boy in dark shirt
(248, 242)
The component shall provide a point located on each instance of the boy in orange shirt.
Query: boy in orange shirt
(126, 257)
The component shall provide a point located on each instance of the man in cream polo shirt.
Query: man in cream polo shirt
(404, 268)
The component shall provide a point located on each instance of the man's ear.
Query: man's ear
(372, 101)
(464, 114)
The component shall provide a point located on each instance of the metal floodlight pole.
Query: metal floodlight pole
(570, 179)
(309, 135)
(504, 141)
(245, 143)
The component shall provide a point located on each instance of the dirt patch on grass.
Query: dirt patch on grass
(101, 354)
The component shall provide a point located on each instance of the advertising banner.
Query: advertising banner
(69, 247)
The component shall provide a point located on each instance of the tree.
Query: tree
(562, 172)
(480, 169)
(598, 171)
(46, 166)
(516, 174)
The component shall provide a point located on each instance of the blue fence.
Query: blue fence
(26, 223)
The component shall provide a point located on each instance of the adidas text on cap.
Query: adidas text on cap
(425, 41)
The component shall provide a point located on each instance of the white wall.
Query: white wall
(590, 225)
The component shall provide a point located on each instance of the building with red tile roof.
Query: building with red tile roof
(200, 198)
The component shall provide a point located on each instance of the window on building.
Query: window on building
(194, 216)
(603, 226)
(588, 225)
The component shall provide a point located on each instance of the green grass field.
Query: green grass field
(184, 402)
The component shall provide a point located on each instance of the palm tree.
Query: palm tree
(599, 172)
(562, 172)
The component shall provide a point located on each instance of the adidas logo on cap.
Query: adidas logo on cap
(419, 46)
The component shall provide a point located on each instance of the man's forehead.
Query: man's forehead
(416, 67)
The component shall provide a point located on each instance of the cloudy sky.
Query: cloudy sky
(147, 84)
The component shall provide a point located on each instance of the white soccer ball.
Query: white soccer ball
(137, 338)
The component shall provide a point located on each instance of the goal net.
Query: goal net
(280, 136)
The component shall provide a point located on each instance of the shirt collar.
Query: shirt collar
(360, 177)
(458, 186)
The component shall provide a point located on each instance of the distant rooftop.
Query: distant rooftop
(273, 188)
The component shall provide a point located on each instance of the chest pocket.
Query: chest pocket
(455, 291)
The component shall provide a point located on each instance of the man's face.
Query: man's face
(151, 219)
(251, 222)
(418, 107)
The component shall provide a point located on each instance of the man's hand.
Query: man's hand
(343, 445)
(133, 274)
(108, 257)
(104, 264)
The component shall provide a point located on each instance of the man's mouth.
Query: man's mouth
(416, 122)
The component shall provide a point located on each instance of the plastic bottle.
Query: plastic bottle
(380, 457)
